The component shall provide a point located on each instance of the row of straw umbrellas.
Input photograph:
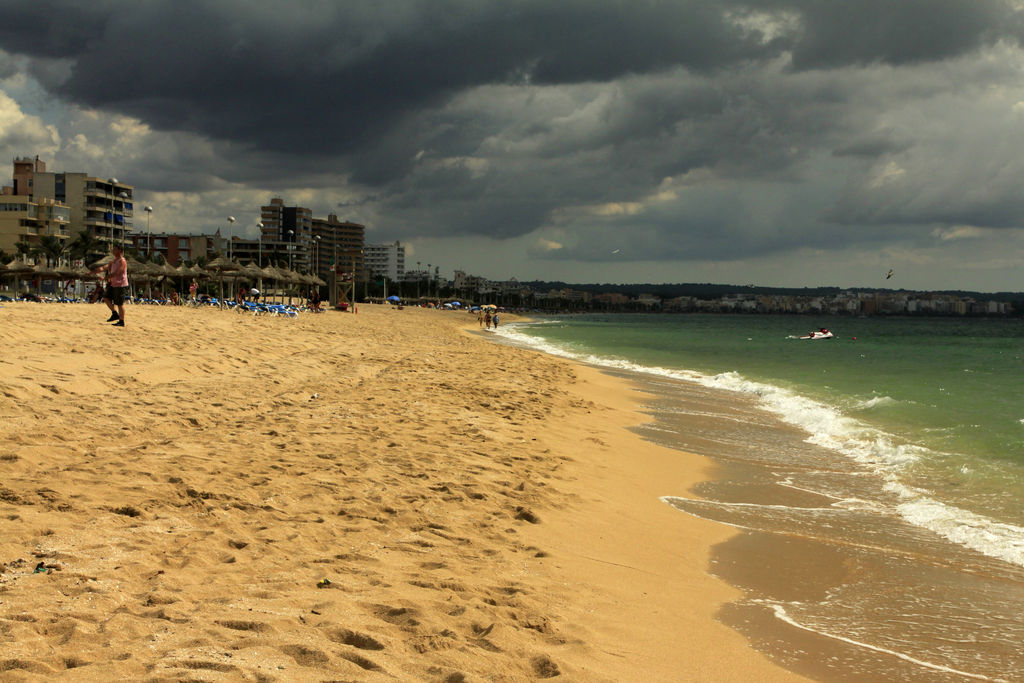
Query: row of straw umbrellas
(221, 269)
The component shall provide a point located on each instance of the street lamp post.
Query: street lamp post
(149, 241)
(291, 236)
(259, 253)
(316, 254)
(291, 245)
(428, 280)
(124, 233)
(231, 221)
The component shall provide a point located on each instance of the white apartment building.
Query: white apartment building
(385, 259)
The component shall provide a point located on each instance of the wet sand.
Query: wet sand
(835, 586)
(205, 495)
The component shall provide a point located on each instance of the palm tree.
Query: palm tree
(52, 248)
(87, 247)
(24, 247)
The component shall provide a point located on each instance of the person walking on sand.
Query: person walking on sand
(117, 285)
(193, 289)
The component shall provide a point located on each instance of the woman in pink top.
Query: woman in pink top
(117, 285)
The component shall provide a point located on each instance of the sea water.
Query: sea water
(877, 478)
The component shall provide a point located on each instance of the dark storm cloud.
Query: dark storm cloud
(872, 146)
(338, 75)
(896, 32)
(478, 117)
(326, 77)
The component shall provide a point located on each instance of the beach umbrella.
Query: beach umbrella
(40, 272)
(189, 272)
(221, 266)
(252, 271)
(291, 275)
(19, 267)
(272, 274)
(16, 269)
(146, 269)
(44, 271)
(393, 298)
(167, 271)
(83, 273)
(143, 271)
(67, 272)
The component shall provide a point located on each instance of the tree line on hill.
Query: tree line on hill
(714, 291)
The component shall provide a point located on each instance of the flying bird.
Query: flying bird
(889, 275)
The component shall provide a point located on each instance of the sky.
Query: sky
(769, 142)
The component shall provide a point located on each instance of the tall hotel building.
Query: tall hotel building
(103, 207)
(339, 245)
(385, 259)
(288, 232)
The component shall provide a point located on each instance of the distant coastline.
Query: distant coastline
(710, 298)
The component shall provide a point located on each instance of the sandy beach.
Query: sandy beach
(390, 495)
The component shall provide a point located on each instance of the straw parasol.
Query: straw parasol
(144, 269)
(43, 271)
(67, 272)
(252, 271)
(19, 267)
(83, 273)
(102, 262)
(16, 269)
(220, 266)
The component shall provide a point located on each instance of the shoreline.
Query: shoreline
(648, 561)
(374, 495)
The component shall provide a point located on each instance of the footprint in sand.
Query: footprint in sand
(353, 638)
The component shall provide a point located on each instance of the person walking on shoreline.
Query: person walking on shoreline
(117, 285)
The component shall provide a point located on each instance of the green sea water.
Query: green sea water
(936, 403)
(877, 477)
(952, 384)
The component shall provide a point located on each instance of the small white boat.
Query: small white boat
(819, 334)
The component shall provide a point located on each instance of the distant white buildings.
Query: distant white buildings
(385, 260)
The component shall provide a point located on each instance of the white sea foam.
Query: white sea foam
(782, 615)
(829, 428)
(995, 539)
(876, 402)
